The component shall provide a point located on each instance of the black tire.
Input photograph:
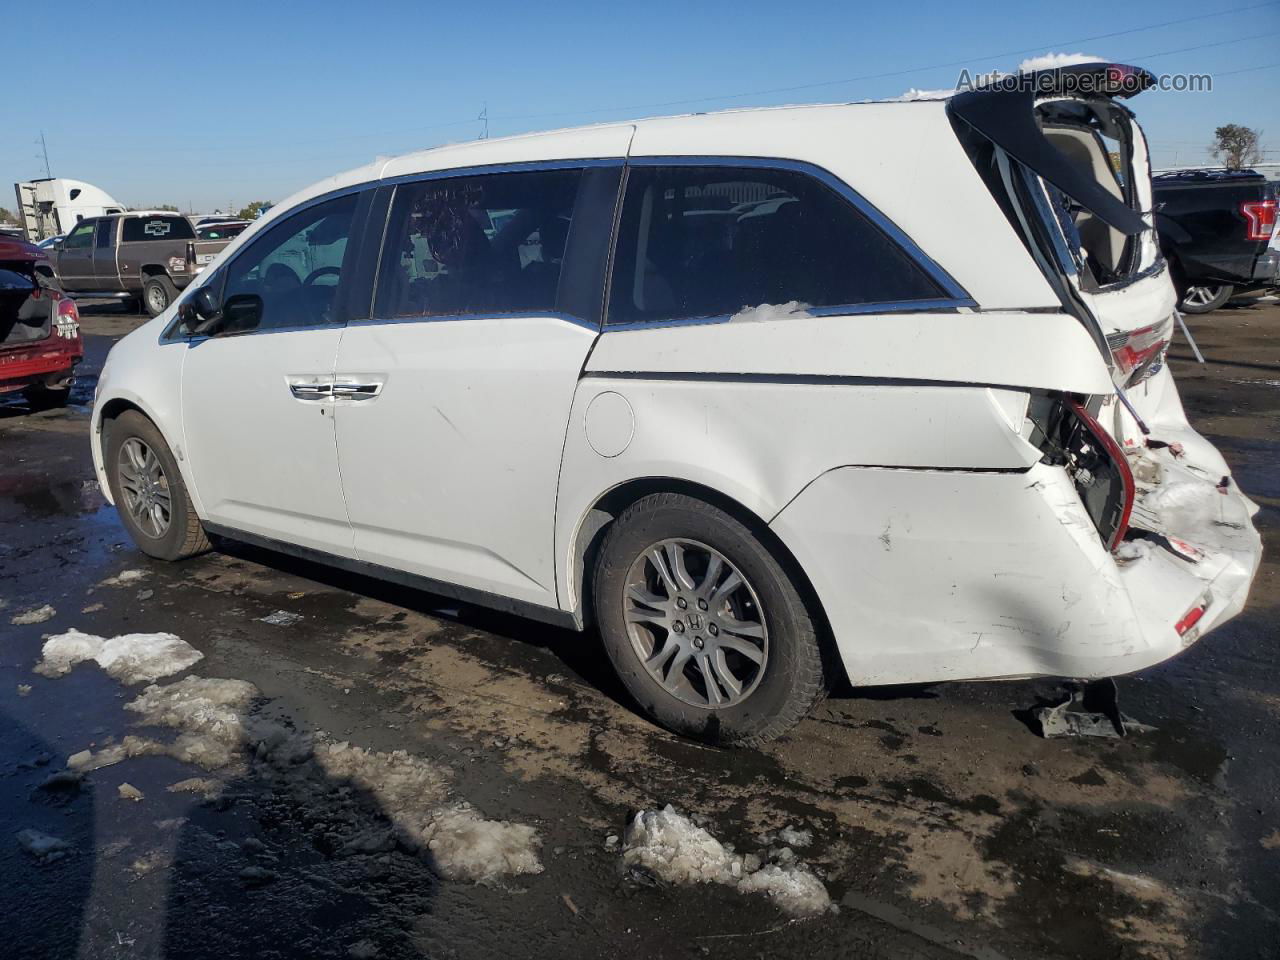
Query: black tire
(792, 679)
(184, 536)
(157, 293)
(1204, 298)
(41, 397)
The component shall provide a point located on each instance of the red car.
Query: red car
(39, 328)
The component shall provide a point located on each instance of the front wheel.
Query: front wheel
(157, 293)
(703, 625)
(148, 490)
(1205, 299)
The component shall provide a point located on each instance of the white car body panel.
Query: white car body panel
(1037, 350)
(265, 462)
(470, 423)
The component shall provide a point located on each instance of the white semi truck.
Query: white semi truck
(52, 207)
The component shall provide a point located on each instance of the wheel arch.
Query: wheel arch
(608, 506)
(112, 409)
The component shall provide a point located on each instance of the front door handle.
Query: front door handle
(312, 392)
(356, 389)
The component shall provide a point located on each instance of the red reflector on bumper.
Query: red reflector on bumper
(1189, 620)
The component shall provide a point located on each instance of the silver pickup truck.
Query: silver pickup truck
(138, 255)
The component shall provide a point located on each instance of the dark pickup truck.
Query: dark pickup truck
(1214, 228)
(137, 255)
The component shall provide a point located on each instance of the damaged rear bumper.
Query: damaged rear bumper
(945, 575)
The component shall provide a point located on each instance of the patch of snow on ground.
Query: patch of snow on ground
(130, 658)
(1051, 61)
(42, 846)
(771, 311)
(412, 792)
(677, 850)
(123, 578)
(208, 713)
(34, 615)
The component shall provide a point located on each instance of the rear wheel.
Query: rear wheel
(703, 625)
(148, 490)
(1205, 299)
(157, 293)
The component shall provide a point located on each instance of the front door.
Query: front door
(106, 276)
(257, 403)
(452, 401)
(75, 258)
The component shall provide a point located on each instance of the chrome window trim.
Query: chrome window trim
(932, 269)
(942, 305)
(495, 315)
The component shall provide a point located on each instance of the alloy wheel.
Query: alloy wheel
(144, 487)
(1201, 296)
(696, 623)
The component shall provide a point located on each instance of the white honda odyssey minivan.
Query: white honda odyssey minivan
(764, 396)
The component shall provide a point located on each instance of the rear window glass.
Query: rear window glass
(156, 228)
(489, 244)
(714, 241)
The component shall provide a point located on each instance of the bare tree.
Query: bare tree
(1236, 146)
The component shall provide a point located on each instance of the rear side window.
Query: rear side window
(486, 244)
(104, 233)
(136, 229)
(703, 241)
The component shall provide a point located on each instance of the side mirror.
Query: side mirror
(200, 313)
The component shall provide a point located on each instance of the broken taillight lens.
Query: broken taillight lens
(1260, 218)
(1140, 353)
(1070, 437)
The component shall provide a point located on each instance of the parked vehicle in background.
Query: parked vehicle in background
(148, 256)
(39, 329)
(908, 422)
(50, 243)
(51, 207)
(1215, 229)
(221, 229)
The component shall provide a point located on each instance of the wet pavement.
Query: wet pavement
(941, 825)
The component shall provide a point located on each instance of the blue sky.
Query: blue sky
(211, 105)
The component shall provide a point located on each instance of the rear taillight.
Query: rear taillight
(1139, 353)
(67, 318)
(1260, 218)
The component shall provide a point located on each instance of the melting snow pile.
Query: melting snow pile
(218, 728)
(42, 846)
(772, 311)
(413, 793)
(34, 615)
(130, 658)
(677, 850)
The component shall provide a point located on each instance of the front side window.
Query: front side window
(289, 276)
(708, 241)
(138, 229)
(81, 238)
(486, 244)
